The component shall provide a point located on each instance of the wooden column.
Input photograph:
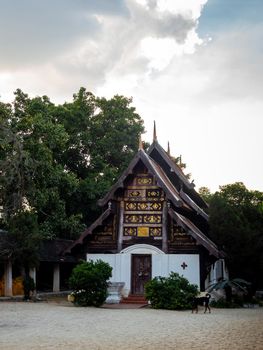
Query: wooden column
(32, 274)
(8, 279)
(120, 229)
(56, 278)
(164, 228)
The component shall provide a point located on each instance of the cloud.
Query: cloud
(226, 69)
(204, 94)
(234, 60)
(64, 44)
(34, 31)
(209, 105)
(82, 42)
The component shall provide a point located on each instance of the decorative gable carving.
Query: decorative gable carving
(143, 205)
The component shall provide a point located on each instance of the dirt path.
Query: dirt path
(27, 326)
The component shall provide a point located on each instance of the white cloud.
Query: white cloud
(84, 41)
(209, 106)
(205, 95)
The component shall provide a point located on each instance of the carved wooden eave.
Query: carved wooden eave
(162, 180)
(90, 229)
(120, 182)
(156, 171)
(193, 205)
(176, 169)
(198, 235)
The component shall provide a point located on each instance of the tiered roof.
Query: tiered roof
(185, 202)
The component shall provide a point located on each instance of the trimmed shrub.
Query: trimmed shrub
(89, 283)
(222, 303)
(172, 293)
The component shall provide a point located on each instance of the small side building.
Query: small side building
(51, 274)
(153, 222)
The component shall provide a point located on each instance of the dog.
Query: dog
(201, 301)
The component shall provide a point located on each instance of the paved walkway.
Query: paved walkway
(60, 325)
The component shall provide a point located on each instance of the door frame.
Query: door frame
(133, 270)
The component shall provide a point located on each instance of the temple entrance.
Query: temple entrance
(141, 272)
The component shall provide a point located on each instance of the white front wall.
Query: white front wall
(162, 264)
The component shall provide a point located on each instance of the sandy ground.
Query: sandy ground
(53, 325)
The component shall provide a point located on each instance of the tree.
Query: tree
(31, 173)
(56, 161)
(205, 193)
(236, 225)
(103, 137)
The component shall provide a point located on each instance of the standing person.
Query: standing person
(207, 300)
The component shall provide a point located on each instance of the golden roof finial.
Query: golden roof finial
(180, 161)
(168, 149)
(154, 132)
(140, 142)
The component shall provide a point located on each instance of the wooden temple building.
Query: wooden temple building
(153, 222)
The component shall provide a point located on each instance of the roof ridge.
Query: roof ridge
(171, 162)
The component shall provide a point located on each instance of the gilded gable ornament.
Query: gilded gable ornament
(143, 231)
(156, 231)
(156, 206)
(152, 219)
(134, 193)
(133, 219)
(144, 181)
(129, 206)
(130, 231)
(142, 206)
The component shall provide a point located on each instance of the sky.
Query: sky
(193, 66)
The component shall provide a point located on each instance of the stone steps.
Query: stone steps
(134, 299)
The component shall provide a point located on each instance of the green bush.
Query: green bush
(172, 293)
(222, 303)
(89, 283)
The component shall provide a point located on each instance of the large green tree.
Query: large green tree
(56, 161)
(103, 137)
(236, 225)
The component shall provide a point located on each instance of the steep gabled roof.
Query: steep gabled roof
(193, 205)
(178, 190)
(194, 231)
(160, 176)
(90, 229)
(53, 251)
(175, 169)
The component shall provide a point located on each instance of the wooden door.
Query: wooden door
(141, 272)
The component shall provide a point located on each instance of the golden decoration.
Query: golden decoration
(134, 193)
(153, 193)
(134, 219)
(152, 219)
(156, 206)
(156, 231)
(144, 180)
(142, 206)
(143, 231)
(130, 206)
(129, 231)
